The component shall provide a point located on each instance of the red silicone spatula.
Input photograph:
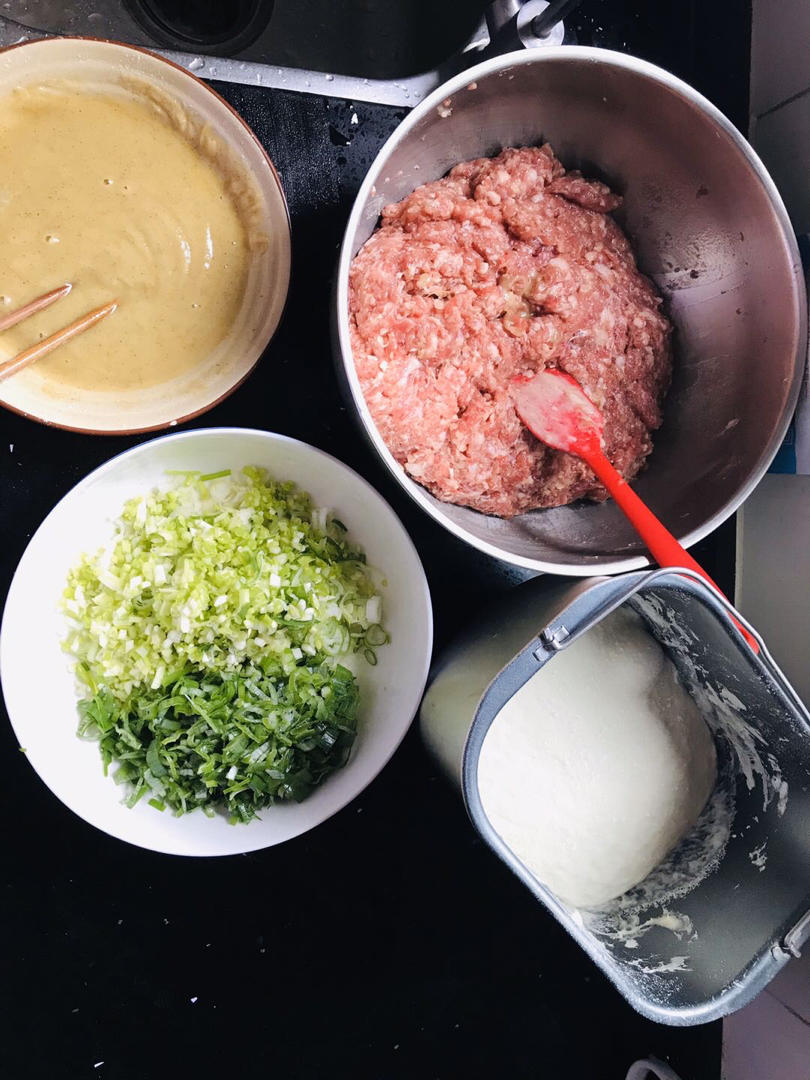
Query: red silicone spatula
(556, 410)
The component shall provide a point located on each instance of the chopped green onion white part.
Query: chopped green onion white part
(216, 572)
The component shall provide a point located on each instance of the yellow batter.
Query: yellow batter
(104, 192)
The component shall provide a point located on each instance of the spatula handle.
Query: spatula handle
(662, 545)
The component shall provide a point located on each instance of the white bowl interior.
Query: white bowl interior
(101, 66)
(33, 627)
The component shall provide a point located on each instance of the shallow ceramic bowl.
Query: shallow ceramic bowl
(101, 64)
(33, 627)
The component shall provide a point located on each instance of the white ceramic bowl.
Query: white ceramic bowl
(102, 66)
(45, 720)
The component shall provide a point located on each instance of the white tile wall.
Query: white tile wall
(780, 99)
(766, 1042)
(782, 139)
(773, 572)
(780, 52)
(791, 988)
(770, 1039)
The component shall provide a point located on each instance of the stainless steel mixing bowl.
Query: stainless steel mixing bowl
(707, 225)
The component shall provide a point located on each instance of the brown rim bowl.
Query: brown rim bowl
(103, 64)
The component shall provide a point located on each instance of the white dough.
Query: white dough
(599, 765)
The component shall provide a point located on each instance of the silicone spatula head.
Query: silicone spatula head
(556, 410)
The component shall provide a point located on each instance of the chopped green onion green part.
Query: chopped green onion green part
(240, 740)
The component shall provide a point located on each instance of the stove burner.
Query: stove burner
(203, 25)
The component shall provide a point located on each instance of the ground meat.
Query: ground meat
(504, 267)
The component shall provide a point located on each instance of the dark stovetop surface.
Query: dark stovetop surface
(388, 943)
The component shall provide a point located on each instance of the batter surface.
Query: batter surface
(599, 765)
(502, 268)
(106, 193)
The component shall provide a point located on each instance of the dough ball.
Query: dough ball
(599, 765)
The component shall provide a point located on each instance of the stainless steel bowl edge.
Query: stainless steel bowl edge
(623, 552)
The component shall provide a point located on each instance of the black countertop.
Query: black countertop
(388, 942)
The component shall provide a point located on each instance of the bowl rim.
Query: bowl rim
(582, 610)
(421, 583)
(276, 177)
(591, 565)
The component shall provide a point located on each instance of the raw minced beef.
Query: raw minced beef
(506, 266)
